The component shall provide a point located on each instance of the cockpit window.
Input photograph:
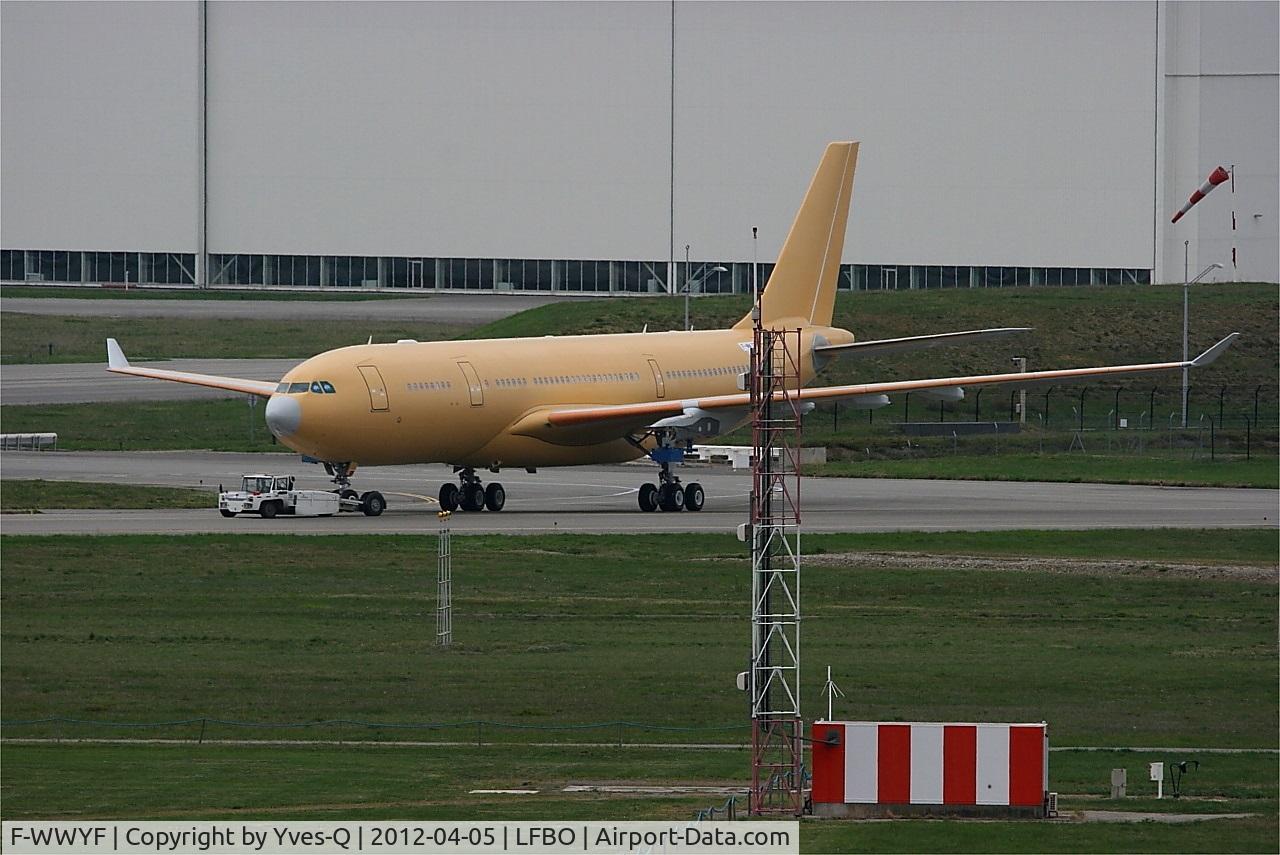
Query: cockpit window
(315, 387)
(327, 386)
(283, 387)
(294, 388)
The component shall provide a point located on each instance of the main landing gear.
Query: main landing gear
(372, 503)
(470, 494)
(669, 494)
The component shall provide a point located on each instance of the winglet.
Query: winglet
(1214, 352)
(115, 356)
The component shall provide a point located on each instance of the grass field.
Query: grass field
(575, 630)
(212, 782)
(80, 293)
(226, 424)
(558, 630)
(229, 425)
(1262, 471)
(27, 338)
(18, 496)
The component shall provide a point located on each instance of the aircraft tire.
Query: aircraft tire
(472, 497)
(671, 497)
(348, 493)
(226, 513)
(373, 504)
(269, 510)
(495, 496)
(694, 496)
(450, 497)
(648, 498)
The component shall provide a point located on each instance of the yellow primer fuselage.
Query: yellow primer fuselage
(463, 402)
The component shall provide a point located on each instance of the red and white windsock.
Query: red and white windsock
(1216, 177)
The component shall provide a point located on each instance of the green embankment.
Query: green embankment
(1073, 327)
(18, 496)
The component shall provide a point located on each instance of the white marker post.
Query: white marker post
(832, 691)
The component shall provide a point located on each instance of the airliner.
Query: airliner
(570, 400)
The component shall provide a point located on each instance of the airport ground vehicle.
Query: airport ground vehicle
(272, 495)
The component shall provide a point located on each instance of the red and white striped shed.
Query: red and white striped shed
(930, 763)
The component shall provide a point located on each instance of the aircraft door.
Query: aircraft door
(378, 401)
(474, 387)
(659, 387)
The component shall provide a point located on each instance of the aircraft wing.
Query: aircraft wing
(118, 364)
(877, 347)
(634, 416)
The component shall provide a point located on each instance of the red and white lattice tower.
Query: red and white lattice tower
(777, 746)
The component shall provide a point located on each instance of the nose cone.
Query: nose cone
(284, 415)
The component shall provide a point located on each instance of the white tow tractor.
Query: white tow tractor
(272, 495)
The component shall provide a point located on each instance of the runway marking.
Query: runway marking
(427, 499)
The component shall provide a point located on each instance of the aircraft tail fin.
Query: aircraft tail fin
(803, 283)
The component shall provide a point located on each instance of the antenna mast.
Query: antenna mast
(777, 750)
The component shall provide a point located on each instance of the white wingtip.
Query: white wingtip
(115, 356)
(1214, 352)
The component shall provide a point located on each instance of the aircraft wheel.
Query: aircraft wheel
(373, 504)
(670, 497)
(472, 497)
(269, 510)
(648, 497)
(226, 513)
(495, 496)
(450, 497)
(348, 493)
(694, 496)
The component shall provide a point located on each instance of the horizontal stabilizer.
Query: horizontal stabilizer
(117, 363)
(915, 342)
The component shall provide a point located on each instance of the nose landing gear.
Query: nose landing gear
(471, 495)
(371, 504)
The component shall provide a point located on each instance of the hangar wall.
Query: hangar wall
(99, 105)
(1014, 137)
(1221, 98)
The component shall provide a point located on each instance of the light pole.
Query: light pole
(1186, 288)
(702, 274)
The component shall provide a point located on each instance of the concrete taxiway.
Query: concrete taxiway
(85, 382)
(600, 499)
(444, 308)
